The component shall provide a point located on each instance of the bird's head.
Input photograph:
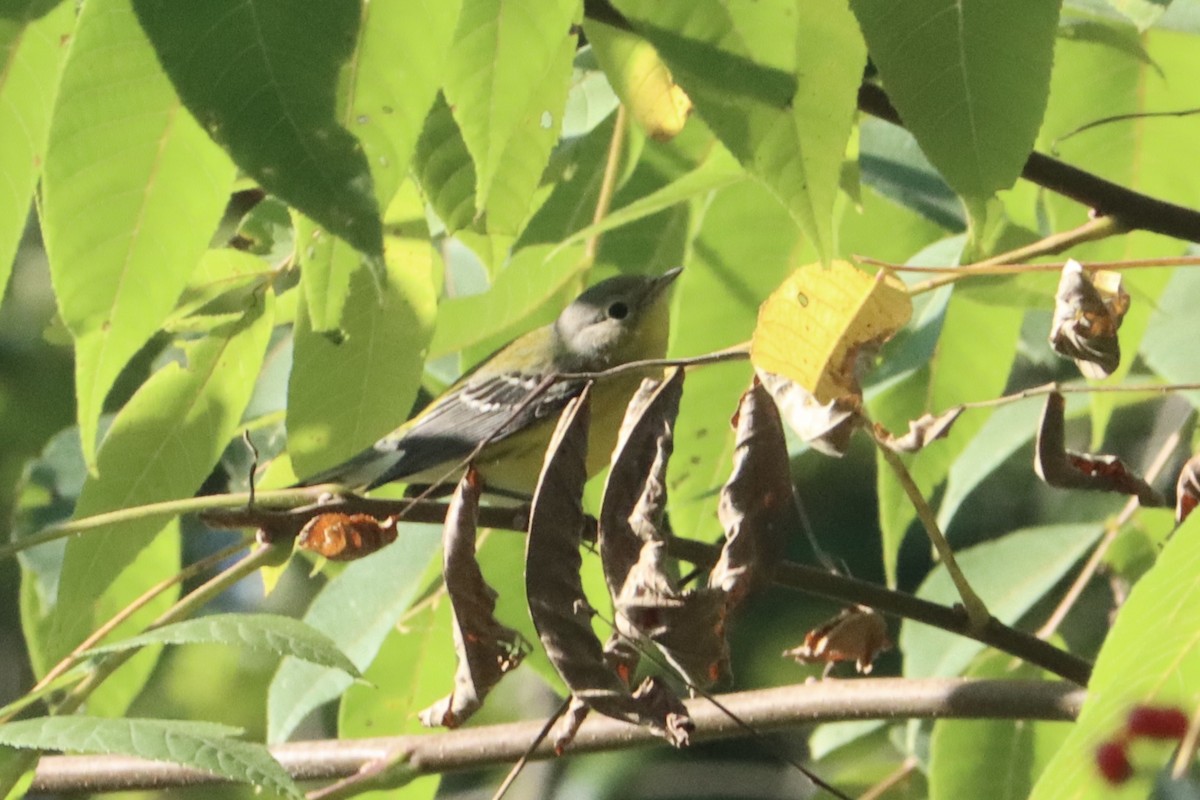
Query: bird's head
(619, 320)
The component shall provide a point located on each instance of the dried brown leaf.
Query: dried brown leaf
(1088, 310)
(1063, 469)
(857, 634)
(346, 537)
(921, 431)
(485, 648)
(1187, 488)
(758, 506)
(557, 604)
(825, 427)
(631, 511)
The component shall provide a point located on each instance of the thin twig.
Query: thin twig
(776, 709)
(608, 183)
(73, 658)
(1090, 231)
(1186, 753)
(977, 612)
(1012, 268)
(547, 726)
(891, 780)
(182, 609)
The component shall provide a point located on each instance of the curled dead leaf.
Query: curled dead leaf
(346, 537)
(758, 507)
(485, 648)
(821, 324)
(686, 626)
(1187, 488)
(921, 431)
(557, 604)
(857, 634)
(825, 427)
(1088, 310)
(1064, 469)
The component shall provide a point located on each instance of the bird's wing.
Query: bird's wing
(449, 430)
(491, 408)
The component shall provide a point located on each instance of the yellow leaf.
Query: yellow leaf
(814, 327)
(640, 79)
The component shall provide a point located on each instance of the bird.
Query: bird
(617, 321)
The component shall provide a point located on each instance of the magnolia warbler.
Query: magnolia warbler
(617, 321)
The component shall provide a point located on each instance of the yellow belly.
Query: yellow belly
(513, 465)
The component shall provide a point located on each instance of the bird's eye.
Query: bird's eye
(618, 310)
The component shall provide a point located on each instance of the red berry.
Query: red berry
(1113, 762)
(1157, 722)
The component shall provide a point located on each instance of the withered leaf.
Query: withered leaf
(825, 427)
(652, 695)
(921, 431)
(643, 446)
(1187, 488)
(557, 604)
(758, 506)
(687, 627)
(1088, 310)
(346, 537)
(1063, 469)
(485, 648)
(857, 634)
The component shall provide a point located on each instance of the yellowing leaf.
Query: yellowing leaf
(641, 79)
(814, 327)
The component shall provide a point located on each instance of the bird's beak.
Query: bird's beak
(662, 282)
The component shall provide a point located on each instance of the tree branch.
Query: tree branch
(776, 709)
(280, 523)
(1130, 209)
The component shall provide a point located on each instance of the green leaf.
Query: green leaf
(969, 79)
(715, 172)
(1004, 755)
(1170, 332)
(133, 190)
(357, 609)
(776, 82)
(31, 56)
(1149, 657)
(263, 81)
(278, 634)
(160, 447)
(893, 164)
(1010, 574)
(342, 397)
(533, 276)
(392, 78)
(506, 83)
(202, 745)
(444, 168)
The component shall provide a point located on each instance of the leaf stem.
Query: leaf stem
(608, 182)
(977, 612)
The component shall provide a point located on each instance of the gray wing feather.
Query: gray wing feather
(449, 432)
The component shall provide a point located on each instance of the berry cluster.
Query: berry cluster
(1143, 722)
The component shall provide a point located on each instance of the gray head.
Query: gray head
(618, 320)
